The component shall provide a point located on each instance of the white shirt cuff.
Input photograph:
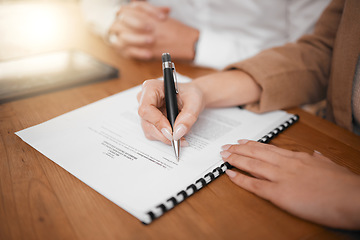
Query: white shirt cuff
(218, 50)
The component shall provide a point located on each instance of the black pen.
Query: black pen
(170, 97)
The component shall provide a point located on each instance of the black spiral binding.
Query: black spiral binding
(279, 129)
(190, 190)
(211, 176)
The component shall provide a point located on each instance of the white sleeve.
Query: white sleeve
(302, 16)
(217, 50)
(100, 15)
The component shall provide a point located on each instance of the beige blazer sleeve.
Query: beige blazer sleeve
(296, 73)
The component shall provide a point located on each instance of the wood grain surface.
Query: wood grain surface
(40, 200)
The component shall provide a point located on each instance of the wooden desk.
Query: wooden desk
(40, 200)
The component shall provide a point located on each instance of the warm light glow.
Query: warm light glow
(33, 27)
(41, 26)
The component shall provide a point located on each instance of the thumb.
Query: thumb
(183, 124)
(192, 104)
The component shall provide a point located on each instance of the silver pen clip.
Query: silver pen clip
(175, 77)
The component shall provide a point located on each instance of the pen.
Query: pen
(170, 97)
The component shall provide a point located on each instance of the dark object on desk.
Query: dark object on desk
(34, 75)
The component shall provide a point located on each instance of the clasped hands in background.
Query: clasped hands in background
(309, 186)
(144, 31)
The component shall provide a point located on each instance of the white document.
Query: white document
(103, 145)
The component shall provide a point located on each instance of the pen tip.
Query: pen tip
(176, 146)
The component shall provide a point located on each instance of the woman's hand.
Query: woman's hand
(309, 186)
(152, 110)
(220, 89)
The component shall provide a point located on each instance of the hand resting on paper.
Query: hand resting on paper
(309, 186)
(144, 31)
(220, 89)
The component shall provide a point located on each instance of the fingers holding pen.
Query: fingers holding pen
(191, 104)
(183, 123)
(159, 129)
(152, 133)
(151, 110)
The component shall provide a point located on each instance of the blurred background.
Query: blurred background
(17, 1)
(46, 46)
(29, 26)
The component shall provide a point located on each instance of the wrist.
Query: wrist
(193, 37)
(228, 88)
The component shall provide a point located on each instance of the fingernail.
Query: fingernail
(225, 154)
(243, 141)
(226, 147)
(230, 173)
(166, 133)
(317, 152)
(179, 132)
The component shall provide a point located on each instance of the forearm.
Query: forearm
(296, 73)
(228, 88)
